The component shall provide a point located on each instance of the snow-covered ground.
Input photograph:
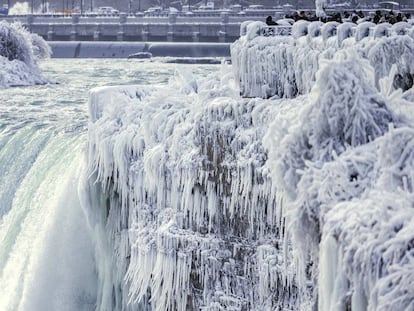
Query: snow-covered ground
(208, 200)
(19, 53)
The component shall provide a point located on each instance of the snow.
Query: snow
(320, 6)
(288, 64)
(341, 193)
(296, 196)
(19, 53)
(179, 203)
(20, 8)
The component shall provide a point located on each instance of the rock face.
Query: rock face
(202, 199)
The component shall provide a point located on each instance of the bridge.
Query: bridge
(174, 27)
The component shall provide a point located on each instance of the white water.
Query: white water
(46, 247)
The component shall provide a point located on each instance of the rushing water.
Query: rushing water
(46, 251)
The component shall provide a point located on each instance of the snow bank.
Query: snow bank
(288, 64)
(19, 53)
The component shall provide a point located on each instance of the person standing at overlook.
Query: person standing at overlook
(270, 21)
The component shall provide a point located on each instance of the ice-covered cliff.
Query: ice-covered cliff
(286, 65)
(19, 53)
(191, 216)
(204, 200)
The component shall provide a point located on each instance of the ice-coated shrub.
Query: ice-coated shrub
(401, 28)
(300, 29)
(254, 29)
(15, 43)
(395, 50)
(19, 53)
(345, 31)
(314, 29)
(329, 29)
(376, 251)
(347, 111)
(41, 49)
(382, 30)
(243, 27)
(397, 159)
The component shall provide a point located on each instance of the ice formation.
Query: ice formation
(299, 198)
(320, 7)
(190, 212)
(20, 8)
(19, 53)
(289, 63)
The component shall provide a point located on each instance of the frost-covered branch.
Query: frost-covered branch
(19, 53)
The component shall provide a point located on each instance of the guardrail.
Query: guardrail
(344, 30)
(271, 31)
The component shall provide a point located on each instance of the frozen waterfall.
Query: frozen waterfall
(46, 250)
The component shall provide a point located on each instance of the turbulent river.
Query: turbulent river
(46, 249)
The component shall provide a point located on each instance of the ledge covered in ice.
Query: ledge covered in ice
(202, 199)
(191, 215)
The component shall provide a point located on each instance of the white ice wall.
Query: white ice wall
(191, 216)
(202, 199)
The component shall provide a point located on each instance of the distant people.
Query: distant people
(270, 21)
(336, 17)
(355, 17)
(302, 15)
(377, 17)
